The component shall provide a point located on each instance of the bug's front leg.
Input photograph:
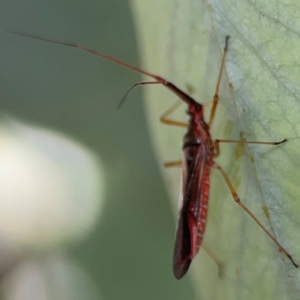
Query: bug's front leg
(176, 163)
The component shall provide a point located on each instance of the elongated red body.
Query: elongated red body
(199, 152)
(198, 149)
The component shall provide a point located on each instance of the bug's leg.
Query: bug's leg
(216, 96)
(251, 142)
(238, 201)
(243, 141)
(165, 120)
(176, 163)
(216, 259)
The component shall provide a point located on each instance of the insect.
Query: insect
(199, 153)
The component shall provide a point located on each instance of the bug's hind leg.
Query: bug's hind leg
(245, 208)
(216, 259)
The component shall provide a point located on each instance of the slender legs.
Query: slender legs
(165, 120)
(238, 201)
(215, 258)
(176, 163)
(216, 96)
(242, 141)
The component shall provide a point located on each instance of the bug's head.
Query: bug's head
(195, 108)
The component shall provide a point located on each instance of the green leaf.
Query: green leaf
(182, 41)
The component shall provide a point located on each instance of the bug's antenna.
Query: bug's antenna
(134, 86)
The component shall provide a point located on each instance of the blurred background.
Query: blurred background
(62, 106)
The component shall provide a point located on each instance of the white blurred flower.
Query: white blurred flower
(48, 278)
(50, 187)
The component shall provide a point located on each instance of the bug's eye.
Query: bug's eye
(198, 107)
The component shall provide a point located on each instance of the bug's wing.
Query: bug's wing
(186, 233)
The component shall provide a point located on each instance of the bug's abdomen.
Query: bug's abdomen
(201, 219)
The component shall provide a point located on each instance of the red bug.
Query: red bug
(199, 151)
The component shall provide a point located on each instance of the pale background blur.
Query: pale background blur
(129, 253)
